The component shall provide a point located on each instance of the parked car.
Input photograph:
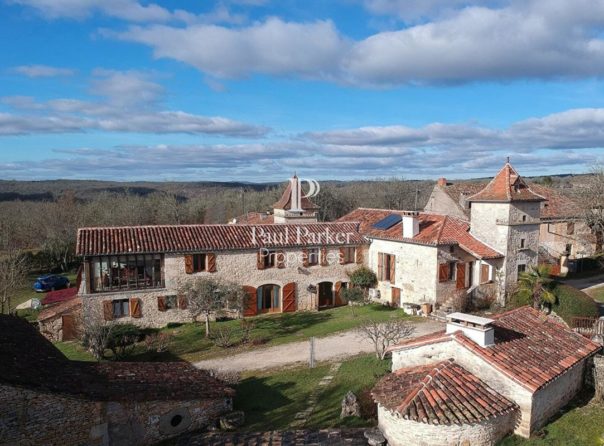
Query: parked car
(50, 282)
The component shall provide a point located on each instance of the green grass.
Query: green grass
(188, 341)
(580, 425)
(74, 351)
(597, 294)
(26, 292)
(271, 400)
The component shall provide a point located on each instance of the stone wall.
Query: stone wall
(441, 203)
(598, 377)
(401, 432)
(554, 237)
(415, 270)
(33, 418)
(236, 266)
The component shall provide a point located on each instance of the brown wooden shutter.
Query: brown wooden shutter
(324, 257)
(108, 310)
(396, 297)
(443, 272)
(289, 297)
(161, 303)
(280, 258)
(189, 264)
(135, 307)
(182, 302)
(251, 302)
(338, 293)
(305, 258)
(484, 273)
(461, 276)
(88, 276)
(342, 254)
(211, 258)
(260, 259)
(359, 254)
(392, 269)
(380, 266)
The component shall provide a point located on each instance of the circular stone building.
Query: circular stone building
(441, 404)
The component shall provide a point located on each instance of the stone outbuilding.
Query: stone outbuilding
(61, 321)
(47, 399)
(481, 379)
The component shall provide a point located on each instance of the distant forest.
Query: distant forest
(43, 216)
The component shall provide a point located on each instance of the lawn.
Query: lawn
(74, 351)
(581, 424)
(271, 400)
(188, 341)
(26, 292)
(597, 294)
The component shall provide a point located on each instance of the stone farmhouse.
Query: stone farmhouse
(563, 235)
(481, 379)
(50, 400)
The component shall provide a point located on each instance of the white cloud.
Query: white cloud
(42, 71)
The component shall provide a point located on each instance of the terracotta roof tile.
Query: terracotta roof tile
(441, 393)
(53, 297)
(506, 186)
(530, 348)
(434, 229)
(190, 238)
(60, 308)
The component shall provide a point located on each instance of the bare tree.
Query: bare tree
(13, 273)
(592, 197)
(96, 336)
(384, 334)
(207, 296)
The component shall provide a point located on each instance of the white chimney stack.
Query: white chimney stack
(296, 197)
(476, 328)
(410, 224)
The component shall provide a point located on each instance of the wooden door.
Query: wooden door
(396, 297)
(461, 276)
(289, 297)
(338, 291)
(68, 328)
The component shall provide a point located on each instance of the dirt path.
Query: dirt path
(586, 282)
(330, 348)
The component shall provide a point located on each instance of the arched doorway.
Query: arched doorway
(326, 294)
(269, 300)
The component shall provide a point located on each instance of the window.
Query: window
(269, 258)
(121, 308)
(268, 298)
(199, 263)
(130, 272)
(522, 243)
(171, 302)
(451, 249)
(313, 256)
(521, 269)
(452, 268)
(524, 218)
(386, 267)
(570, 228)
(348, 255)
(485, 273)
(569, 248)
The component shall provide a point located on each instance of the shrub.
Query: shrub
(224, 337)
(122, 339)
(157, 342)
(246, 326)
(363, 277)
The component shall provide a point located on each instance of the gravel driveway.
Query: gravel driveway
(337, 346)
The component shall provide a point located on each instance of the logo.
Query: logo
(313, 187)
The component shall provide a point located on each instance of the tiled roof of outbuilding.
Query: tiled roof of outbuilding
(530, 347)
(506, 186)
(434, 230)
(441, 393)
(191, 238)
(60, 307)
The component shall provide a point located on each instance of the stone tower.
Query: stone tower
(505, 215)
(294, 207)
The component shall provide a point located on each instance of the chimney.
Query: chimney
(410, 222)
(476, 328)
(296, 194)
(442, 182)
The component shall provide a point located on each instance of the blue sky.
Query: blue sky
(253, 90)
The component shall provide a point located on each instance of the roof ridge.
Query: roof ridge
(441, 229)
(421, 385)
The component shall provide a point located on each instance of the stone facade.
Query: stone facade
(236, 266)
(401, 432)
(32, 418)
(440, 202)
(556, 236)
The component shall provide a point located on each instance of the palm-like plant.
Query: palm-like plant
(537, 285)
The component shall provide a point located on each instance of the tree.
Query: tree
(206, 296)
(592, 199)
(96, 336)
(353, 296)
(537, 285)
(363, 277)
(13, 273)
(384, 334)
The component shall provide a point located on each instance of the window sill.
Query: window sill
(137, 291)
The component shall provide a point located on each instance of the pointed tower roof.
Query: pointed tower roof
(285, 202)
(506, 186)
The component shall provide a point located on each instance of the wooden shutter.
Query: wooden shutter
(108, 310)
(135, 307)
(260, 260)
(88, 276)
(182, 302)
(305, 258)
(484, 273)
(189, 264)
(161, 303)
(461, 276)
(392, 268)
(280, 259)
(251, 302)
(289, 297)
(211, 259)
(443, 272)
(342, 254)
(324, 257)
(359, 254)
(396, 297)
(338, 293)
(380, 266)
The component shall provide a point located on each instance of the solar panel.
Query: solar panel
(387, 222)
